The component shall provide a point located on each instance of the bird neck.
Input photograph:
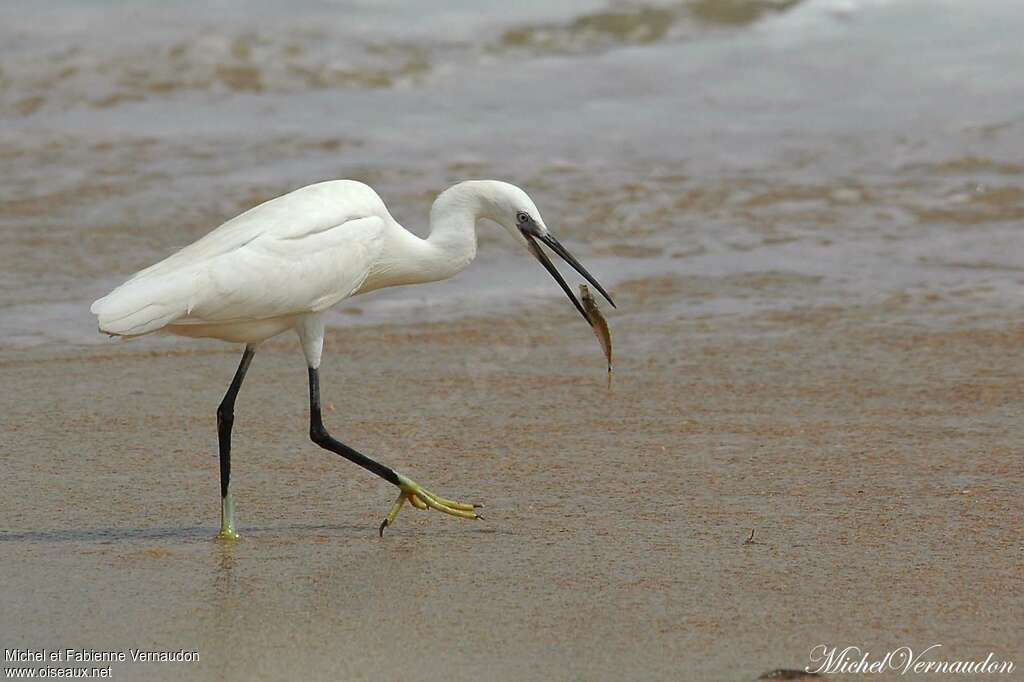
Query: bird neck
(451, 244)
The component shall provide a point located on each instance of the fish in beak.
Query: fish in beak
(534, 235)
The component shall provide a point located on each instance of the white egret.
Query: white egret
(282, 264)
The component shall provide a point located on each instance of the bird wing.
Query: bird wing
(301, 252)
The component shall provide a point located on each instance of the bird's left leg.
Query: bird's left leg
(409, 490)
(225, 420)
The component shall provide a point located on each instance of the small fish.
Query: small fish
(598, 324)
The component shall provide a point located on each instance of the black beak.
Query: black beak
(557, 247)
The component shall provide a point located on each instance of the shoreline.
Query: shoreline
(862, 451)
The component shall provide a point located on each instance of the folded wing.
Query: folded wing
(301, 252)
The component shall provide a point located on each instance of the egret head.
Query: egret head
(513, 209)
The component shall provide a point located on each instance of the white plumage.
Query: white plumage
(280, 265)
(299, 253)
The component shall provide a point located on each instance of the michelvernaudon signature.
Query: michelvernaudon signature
(826, 660)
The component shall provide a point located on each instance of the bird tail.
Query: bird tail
(143, 305)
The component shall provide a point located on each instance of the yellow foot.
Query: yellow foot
(227, 519)
(228, 534)
(424, 499)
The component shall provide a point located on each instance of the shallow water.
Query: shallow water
(873, 145)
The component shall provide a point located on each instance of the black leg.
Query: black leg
(226, 417)
(318, 434)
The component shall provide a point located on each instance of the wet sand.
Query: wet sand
(873, 447)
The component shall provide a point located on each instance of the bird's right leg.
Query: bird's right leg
(409, 490)
(225, 419)
(311, 334)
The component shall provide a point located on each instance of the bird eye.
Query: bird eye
(522, 217)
